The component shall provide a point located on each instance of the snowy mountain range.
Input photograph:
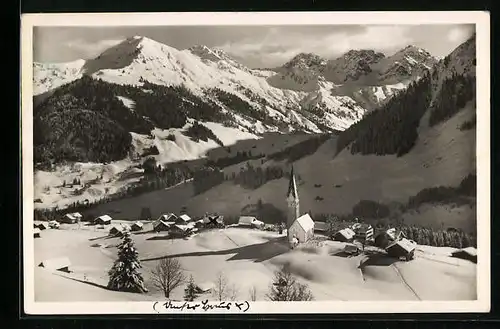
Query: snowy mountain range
(308, 93)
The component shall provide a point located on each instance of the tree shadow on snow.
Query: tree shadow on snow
(86, 282)
(159, 237)
(258, 252)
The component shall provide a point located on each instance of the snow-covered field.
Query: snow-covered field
(248, 258)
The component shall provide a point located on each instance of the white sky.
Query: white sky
(254, 46)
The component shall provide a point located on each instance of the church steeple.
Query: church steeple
(292, 187)
(292, 198)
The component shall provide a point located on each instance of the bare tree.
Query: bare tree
(168, 275)
(221, 287)
(253, 293)
(232, 292)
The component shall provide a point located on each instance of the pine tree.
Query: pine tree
(286, 288)
(125, 275)
(190, 292)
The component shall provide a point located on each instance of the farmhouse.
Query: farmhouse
(168, 217)
(57, 264)
(103, 220)
(137, 226)
(344, 235)
(299, 228)
(68, 219)
(180, 230)
(469, 253)
(364, 232)
(249, 221)
(119, 229)
(161, 225)
(36, 232)
(54, 224)
(402, 248)
(184, 218)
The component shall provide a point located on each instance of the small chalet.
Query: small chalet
(302, 228)
(160, 226)
(250, 221)
(57, 264)
(344, 235)
(69, 219)
(364, 232)
(184, 218)
(383, 239)
(137, 226)
(402, 248)
(36, 232)
(168, 218)
(469, 253)
(54, 224)
(118, 230)
(103, 220)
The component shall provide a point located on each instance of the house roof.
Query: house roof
(70, 216)
(405, 244)
(56, 263)
(166, 217)
(292, 186)
(246, 219)
(362, 228)
(161, 222)
(76, 214)
(140, 224)
(347, 233)
(185, 217)
(36, 230)
(306, 222)
(104, 217)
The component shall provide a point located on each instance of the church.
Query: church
(299, 228)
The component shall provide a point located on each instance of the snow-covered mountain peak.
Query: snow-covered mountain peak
(305, 61)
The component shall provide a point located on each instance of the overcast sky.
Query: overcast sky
(254, 46)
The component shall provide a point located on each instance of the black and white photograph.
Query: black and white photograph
(234, 160)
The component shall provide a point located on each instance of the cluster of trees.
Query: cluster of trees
(445, 194)
(391, 129)
(301, 149)
(205, 178)
(455, 92)
(86, 121)
(440, 238)
(199, 132)
(252, 178)
(236, 104)
(78, 135)
(370, 209)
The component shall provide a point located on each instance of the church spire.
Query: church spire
(292, 186)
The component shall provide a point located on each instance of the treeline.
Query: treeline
(199, 132)
(300, 150)
(392, 129)
(445, 194)
(252, 178)
(455, 92)
(238, 158)
(98, 130)
(206, 178)
(236, 104)
(78, 135)
(450, 237)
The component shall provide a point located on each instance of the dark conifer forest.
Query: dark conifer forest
(392, 129)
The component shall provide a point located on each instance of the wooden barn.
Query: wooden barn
(302, 228)
(402, 248)
(249, 221)
(137, 226)
(103, 220)
(161, 226)
(344, 235)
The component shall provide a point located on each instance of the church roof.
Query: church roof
(306, 222)
(292, 186)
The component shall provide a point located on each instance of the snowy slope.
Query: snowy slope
(47, 76)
